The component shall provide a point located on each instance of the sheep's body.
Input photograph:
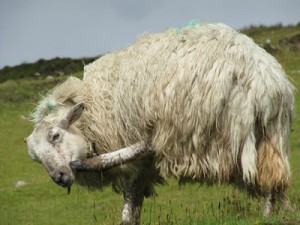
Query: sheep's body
(214, 105)
(203, 96)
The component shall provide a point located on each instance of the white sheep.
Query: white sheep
(203, 102)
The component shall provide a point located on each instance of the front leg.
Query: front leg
(133, 201)
(126, 213)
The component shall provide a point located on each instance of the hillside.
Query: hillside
(281, 42)
(43, 68)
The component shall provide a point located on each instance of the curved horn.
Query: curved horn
(113, 159)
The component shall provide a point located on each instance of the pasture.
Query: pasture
(29, 196)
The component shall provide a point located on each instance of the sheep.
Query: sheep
(202, 102)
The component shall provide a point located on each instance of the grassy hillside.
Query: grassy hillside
(44, 68)
(40, 201)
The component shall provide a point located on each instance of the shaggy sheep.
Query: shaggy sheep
(203, 102)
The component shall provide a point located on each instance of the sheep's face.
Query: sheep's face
(56, 143)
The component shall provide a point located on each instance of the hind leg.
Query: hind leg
(270, 201)
(285, 202)
(273, 174)
(274, 197)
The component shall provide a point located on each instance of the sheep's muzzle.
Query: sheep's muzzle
(63, 176)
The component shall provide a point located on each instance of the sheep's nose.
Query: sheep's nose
(62, 178)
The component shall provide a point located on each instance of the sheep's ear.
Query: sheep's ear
(73, 115)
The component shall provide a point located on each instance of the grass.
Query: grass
(43, 202)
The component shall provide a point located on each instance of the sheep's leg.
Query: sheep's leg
(133, 201)
(132, 210)
(285, 202)
(270, 201)
(126, 213)
(268, 204)
(113, 159)
(271, 198)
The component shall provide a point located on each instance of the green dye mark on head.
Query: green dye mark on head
(50, 106)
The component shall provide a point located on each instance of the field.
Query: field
(29, 196)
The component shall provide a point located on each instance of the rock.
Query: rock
(21, 183)
(49, 78)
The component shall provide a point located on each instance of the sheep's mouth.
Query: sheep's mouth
(63, 180)
(63, 176)
(65, 184)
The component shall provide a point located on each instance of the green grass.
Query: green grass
(43, 202)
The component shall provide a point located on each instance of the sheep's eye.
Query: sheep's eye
(55, 137)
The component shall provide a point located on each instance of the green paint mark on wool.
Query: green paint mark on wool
(50, 106)
(191, 24)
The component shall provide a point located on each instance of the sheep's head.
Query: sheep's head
(55, 143)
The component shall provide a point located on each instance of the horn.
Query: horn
(113, 159)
